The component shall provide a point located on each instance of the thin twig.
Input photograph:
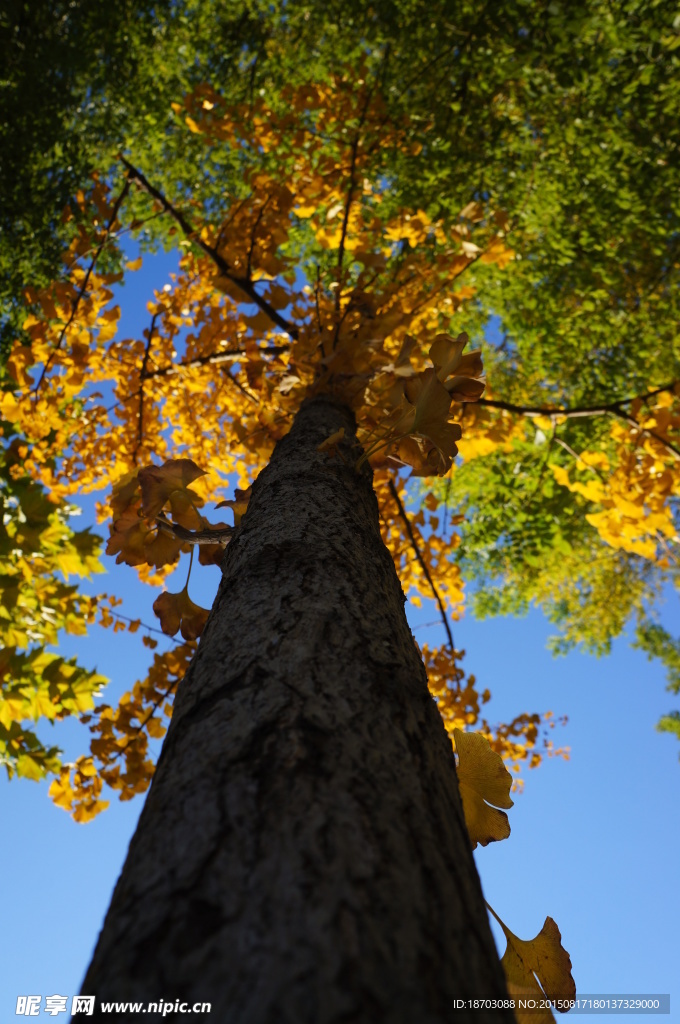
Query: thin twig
(86, 280)
(423, 566)
(345, 219)
(213, 358)
(143, 625)
(244, 390)
(142, 378)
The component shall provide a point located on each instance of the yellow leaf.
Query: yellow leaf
(61, 791)
(543, 958)
(85, 812)
(474, 211)
(178, 611)
(9, 407)
(28, 768)
(543, 422)
(20, 359)
(170, 482)
(238, 504)
(470, 249)
(86, 767)
(446, 353)
(483, 780)
(593, 490)
(11, 710)
(155, 728)
(598, 460)
(561, 475)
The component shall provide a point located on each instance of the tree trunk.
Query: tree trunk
(302, 856)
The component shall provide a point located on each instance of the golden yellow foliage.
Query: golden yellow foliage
(484, 783)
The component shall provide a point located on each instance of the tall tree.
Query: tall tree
(303, 852)
(409, 215)
(262, 356)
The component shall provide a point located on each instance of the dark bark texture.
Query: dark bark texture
(302, 855)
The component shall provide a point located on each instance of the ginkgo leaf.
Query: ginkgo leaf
(446, 353)
(471, 364)
(158, 483)
(238, 504)
(429, 419)
(474, 211)
(125, 492)
(484, 780)
(538, 967)
(465, 389)
(135, 542)
(178, 612)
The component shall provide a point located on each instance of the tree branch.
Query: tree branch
(244, 283)
(606, 409)
(142, 378)
(209, 535)
(579, 411)
(421, 562)
(86, 280)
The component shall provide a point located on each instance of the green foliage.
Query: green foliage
(657, 642)
(38, 550)
(563, 113)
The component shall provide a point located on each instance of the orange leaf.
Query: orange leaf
(159, 482)
(178, 611)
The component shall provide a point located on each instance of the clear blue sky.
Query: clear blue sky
(593, 841)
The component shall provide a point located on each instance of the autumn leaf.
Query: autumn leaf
(238, 504)
(124, 493)
(170, 482)
(447, 356)
(431, 403)
(484, 787)
(446, 353)
(537, 968)
(178, 612)
(136, 542)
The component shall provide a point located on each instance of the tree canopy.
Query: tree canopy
(548, 134)
(354, 196)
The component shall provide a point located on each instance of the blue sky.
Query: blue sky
(594, 839)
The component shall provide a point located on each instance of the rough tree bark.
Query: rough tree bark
(302, 856)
